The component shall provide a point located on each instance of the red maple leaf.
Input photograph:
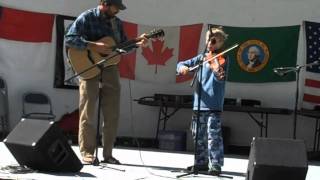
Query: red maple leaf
(157, 56)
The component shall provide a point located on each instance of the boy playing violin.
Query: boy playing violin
(210, 154)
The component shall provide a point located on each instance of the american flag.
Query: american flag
(311, 96)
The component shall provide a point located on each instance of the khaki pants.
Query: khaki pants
(110, 107)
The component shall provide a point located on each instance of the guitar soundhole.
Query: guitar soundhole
(104, 55)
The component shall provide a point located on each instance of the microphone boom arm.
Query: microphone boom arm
(281, 71)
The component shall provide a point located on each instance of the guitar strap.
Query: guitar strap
(115, 30)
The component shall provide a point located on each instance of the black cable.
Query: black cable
(136, 139)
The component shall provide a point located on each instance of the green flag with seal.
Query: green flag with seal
(260, 50)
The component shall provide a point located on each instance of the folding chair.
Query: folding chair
(4, 108)
(37, 105)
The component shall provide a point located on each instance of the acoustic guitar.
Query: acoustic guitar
(81, 60)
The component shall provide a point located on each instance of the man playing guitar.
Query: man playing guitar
(84, 34)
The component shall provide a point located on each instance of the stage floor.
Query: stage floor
(138, 165)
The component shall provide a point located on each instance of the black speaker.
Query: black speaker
(41, 145)
(277, 159)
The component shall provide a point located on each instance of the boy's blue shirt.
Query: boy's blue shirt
(213, 90)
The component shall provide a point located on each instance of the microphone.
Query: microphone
(281, 71)
(314, 63)
(278, 71)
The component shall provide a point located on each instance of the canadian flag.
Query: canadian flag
(155, 63)
(158, 60)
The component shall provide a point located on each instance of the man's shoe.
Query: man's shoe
(202, 167)
(111, 160)
(215, 170)
(88, 159)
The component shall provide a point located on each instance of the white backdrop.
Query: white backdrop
(175, 12)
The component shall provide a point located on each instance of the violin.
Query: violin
(216, 64)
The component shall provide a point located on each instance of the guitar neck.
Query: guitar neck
(130, 43)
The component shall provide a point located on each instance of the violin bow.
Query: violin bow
(223, 52)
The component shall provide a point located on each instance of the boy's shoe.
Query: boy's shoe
(202, 167)
(214, 170)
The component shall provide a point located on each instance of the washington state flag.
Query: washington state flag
(260, 50)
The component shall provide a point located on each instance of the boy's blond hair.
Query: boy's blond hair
(216, 32)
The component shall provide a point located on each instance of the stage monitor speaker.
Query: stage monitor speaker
(41, 145)
(277, 159)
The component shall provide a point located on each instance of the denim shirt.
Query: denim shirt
(212, 94)
(92, 25)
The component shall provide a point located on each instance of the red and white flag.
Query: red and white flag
(26, 54)
(157, 62)
(25, 42)
(25, 26)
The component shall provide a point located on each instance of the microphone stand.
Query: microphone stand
(101, 66)
(295, 115)
(197, 75)
(297, 71)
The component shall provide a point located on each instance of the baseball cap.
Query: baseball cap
(118, 3)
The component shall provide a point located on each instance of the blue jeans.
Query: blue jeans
(210, 142)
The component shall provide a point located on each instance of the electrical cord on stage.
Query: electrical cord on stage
(136, 139)
(15, 169)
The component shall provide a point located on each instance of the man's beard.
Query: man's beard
(109, 14)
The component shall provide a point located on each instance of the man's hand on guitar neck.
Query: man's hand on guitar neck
(143, 40)
(100, 47)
